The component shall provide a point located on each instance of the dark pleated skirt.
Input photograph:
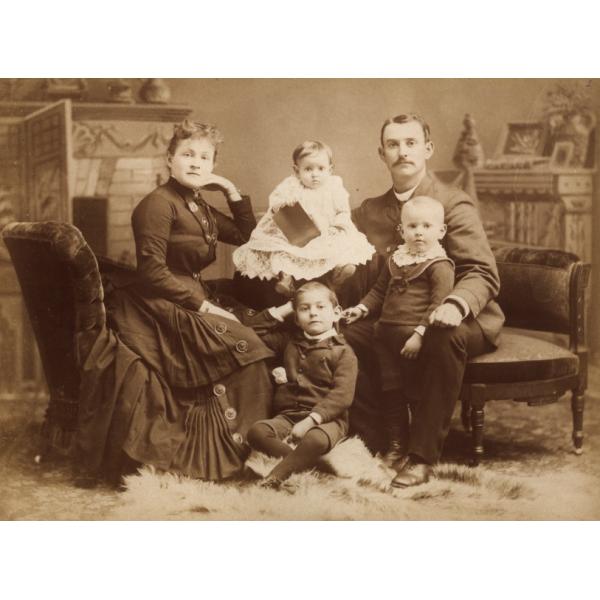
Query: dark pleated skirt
(208, 450)
(172, 388)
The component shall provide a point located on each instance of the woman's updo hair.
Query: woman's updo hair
(194, 130)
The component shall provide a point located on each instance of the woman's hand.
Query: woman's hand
(213, 309)
(352, 314)
(412, 346)
(214, 182)
(300, 429)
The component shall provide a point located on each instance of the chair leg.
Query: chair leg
(477, 418)
(577, 406)
(465, 410)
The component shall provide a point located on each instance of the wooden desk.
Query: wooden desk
(551, 209)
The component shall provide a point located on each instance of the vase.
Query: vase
(155, 91)
(577, 129)
(119, 92)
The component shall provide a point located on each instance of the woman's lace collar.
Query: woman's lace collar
(402, 256)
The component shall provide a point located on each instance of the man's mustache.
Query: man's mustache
(402, 161)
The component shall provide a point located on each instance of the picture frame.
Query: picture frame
(522, 138)
(562, 154)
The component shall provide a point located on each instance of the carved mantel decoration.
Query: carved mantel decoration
(98, 139)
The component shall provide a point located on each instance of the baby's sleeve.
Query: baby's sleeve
(341, 204)
(286, 193)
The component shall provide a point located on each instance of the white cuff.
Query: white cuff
(274, 312)
(316, 417)
(462, 302)
(420, 329)
(279, 313)
(364, 309)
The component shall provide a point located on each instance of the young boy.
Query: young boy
(418, 278)
(315, 390)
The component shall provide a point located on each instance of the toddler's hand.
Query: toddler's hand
(300, 429)
(276, 204)
(279, 375)
(412, 346)
(352, 314)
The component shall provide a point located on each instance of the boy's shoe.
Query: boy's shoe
(285, 286)
(270, 483)
(341, 273)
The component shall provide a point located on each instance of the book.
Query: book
(296, 225)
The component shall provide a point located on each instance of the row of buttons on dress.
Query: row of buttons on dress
(241, 345)
(249, 311)
(230, 413)
(219, 389)
(211, 238)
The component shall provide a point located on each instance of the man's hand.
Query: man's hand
(300, 429)
(446, 315)
(412, 346)
(352, 314)
(214, 182)
(213, 309)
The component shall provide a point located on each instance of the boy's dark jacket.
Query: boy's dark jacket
(321, 375)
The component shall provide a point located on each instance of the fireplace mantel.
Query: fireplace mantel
(104, 111)
(66, 161)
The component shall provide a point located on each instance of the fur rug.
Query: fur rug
(359, 490)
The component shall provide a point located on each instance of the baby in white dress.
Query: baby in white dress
(333, 254)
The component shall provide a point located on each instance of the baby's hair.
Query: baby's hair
(314, 285)
(194, 130)
(407, 118)
(425, 202)
(311, 147)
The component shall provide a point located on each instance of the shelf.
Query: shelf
(170, 113)
(105, 111)
(536, 182)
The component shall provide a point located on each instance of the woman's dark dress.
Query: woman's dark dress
(174, 388)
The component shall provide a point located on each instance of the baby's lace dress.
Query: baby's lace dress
(268, 252)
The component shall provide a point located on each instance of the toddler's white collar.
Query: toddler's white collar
(403, 257)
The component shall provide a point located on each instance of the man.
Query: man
(466, 324)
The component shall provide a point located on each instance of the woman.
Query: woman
(183, 379)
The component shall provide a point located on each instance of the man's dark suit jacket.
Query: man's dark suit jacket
(477, 280)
